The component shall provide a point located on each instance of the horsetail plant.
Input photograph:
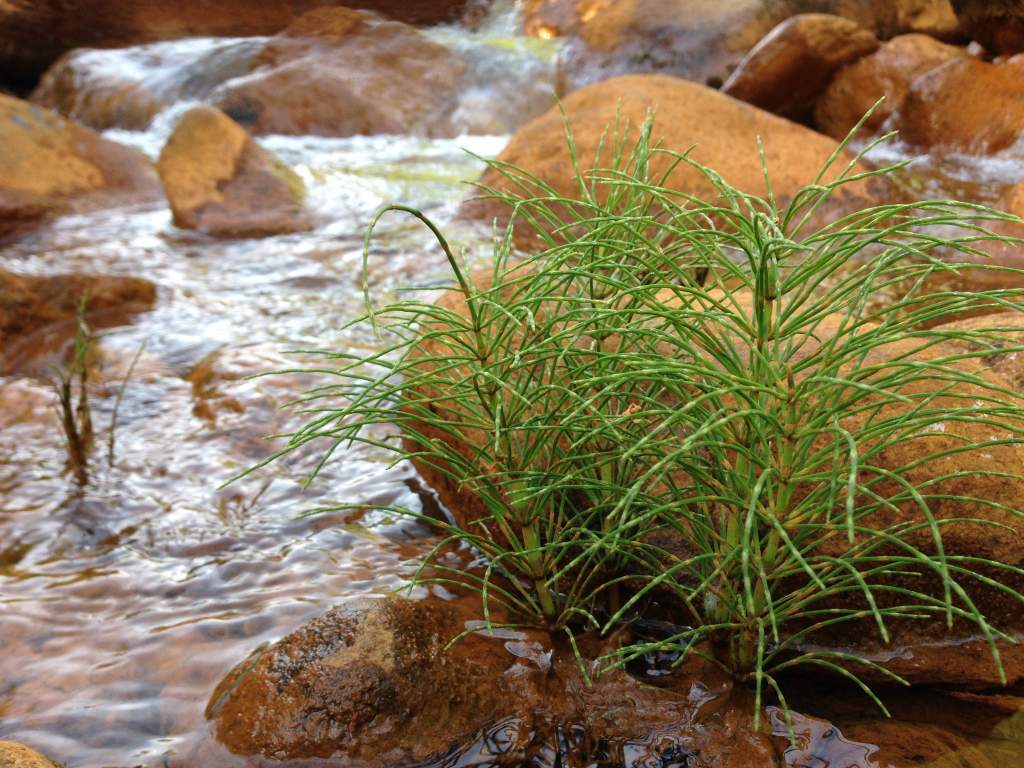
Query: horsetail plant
(755, 418)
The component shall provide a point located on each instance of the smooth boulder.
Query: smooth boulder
(340, 72)
(220, 182)
(888, 73)
(50, 165)
(965, 106)
(722, 131)
(787, 71)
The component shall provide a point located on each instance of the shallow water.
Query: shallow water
(123, 603)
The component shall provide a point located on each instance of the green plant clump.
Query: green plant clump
(692, 400)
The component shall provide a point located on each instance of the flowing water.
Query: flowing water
(124, 602)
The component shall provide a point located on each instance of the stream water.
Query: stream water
(123, 603)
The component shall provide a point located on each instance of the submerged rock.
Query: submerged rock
(888, 72)
(29, 304)
(965, 105)
(722, 131)
(219, 181)
(50, 165)
(340, 72)
(16, 755)
(701, 41)
(786, 72)
(380, 684)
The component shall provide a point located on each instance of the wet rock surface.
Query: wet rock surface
(965, 105)
(220, 182)
(380, 684)
(338, 72)
(30, 304)
(50, 165)
(889, 73)
(786, 72)
(722, 131)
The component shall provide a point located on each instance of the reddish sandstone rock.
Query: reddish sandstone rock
(29, 304)
(50, 165)
(996, 24)
(704, 40)
(786, 72)
(338, 72)
(965, 105)
(219, 181)
(33, 34)
(888, 72)
(723, 132)
(380, 684)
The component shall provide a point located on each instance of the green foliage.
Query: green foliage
(716, 374)
(72, 387)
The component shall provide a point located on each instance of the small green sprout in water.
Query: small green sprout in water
(72, 387)
(692, 401)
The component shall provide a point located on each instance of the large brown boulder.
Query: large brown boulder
(126, 88)
(786, 72)
(219, 181)
(965, 105)
(50, 165)
(339, 72)
(996, 24)
(33, 34)
(888, 72)
(702, 40)
(722, 131)
(30, 304)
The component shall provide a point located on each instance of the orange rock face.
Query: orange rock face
(965, 105)
(786, 72)
(722, 131)
(219, 181)
(888, 72)
(49, 165)
(338, 72)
